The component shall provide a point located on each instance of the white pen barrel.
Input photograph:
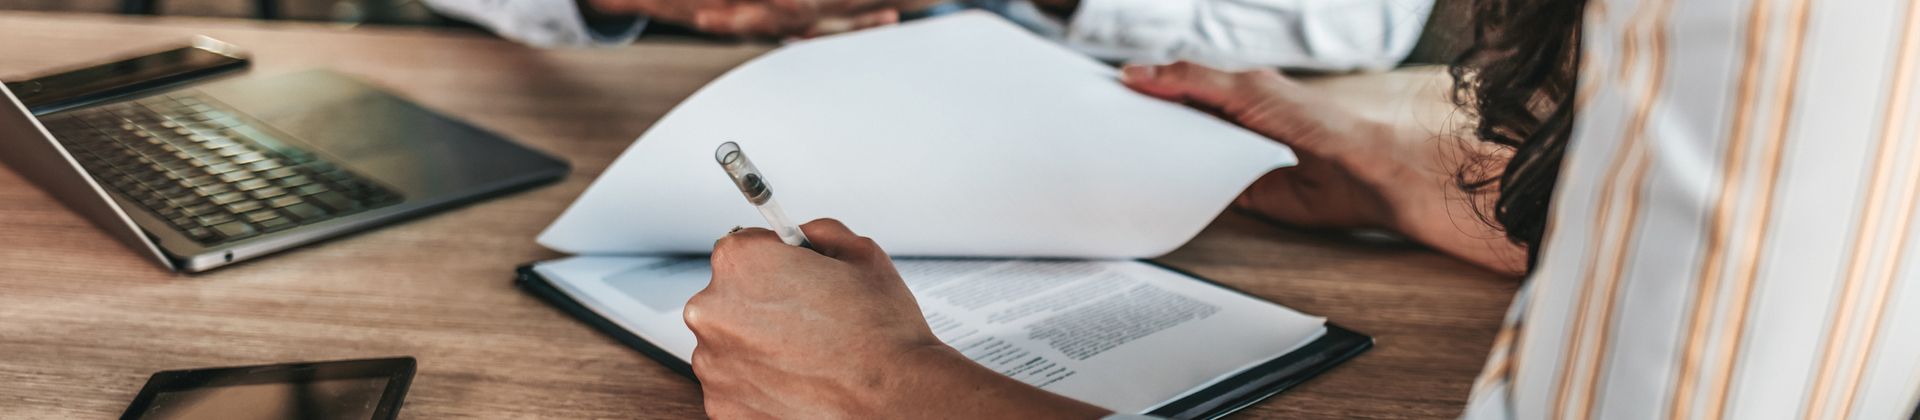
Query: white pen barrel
(788, 230)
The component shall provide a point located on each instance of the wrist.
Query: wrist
(934, 380)
(1409, 170)
(905, 379)
(1418, 173)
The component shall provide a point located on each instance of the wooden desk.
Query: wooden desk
(83, 321)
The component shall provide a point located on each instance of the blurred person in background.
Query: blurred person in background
(1315, 35)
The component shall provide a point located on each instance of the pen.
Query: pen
(754, 185)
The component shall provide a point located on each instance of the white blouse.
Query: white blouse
(1328, 35)
(1733, 232)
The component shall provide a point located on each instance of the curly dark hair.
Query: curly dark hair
(1517, 78)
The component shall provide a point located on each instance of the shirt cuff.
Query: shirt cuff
(1329, 35)
(614, 30)
(1130, 29)
(1025, 14)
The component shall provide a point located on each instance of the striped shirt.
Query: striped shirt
(1733, 235)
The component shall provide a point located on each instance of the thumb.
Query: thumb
(1228, 93)
(1260, 100)
(833, 239)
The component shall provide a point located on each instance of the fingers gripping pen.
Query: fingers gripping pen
(753, 185)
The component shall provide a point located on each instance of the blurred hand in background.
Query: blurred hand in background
(767, 18)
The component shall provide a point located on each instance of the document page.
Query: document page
(1124, 335)
(962, 136)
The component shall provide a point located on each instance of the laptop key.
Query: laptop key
(227, 198)
(304, 212)
(266, 193)
(261, 216)
(201, 181)
(221, 168)
(284, 201)
(213, 219)
(200, 234)
(248, 158)
(210, 190)
(201, 209)
(236, 176)
(252, 184)
(234, 229)
(276, 224)
(244, 206)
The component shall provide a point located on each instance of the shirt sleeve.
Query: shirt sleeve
(541, 23)
(1733, 234)
(1322, 35)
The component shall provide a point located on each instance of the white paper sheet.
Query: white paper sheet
(960, 136)
(1123, 335)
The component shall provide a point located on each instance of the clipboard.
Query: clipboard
(1239, 391)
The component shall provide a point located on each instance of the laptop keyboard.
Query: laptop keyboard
(208, 173)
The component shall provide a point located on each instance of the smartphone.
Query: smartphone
(202, 59)
(370, 389)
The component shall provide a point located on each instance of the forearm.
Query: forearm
(938, 382)
(1433, 209)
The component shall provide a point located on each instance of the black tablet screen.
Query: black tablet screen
(369, 389)
(327, 399)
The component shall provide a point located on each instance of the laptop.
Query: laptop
(200, 174)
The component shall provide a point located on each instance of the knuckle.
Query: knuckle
(1260, 78)
(695, 317)
(696, 313)
(829, 223)
(1177, 70)
(726, 245)
(736, 242)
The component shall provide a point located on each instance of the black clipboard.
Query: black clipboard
(1217, 400)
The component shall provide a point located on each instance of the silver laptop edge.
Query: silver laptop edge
(25, 146)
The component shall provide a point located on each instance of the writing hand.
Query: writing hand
(784, 331)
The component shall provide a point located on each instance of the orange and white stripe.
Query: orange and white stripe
(1732, 230)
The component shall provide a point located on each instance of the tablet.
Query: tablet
(337, 390)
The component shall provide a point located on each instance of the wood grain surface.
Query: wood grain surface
(84, 321)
